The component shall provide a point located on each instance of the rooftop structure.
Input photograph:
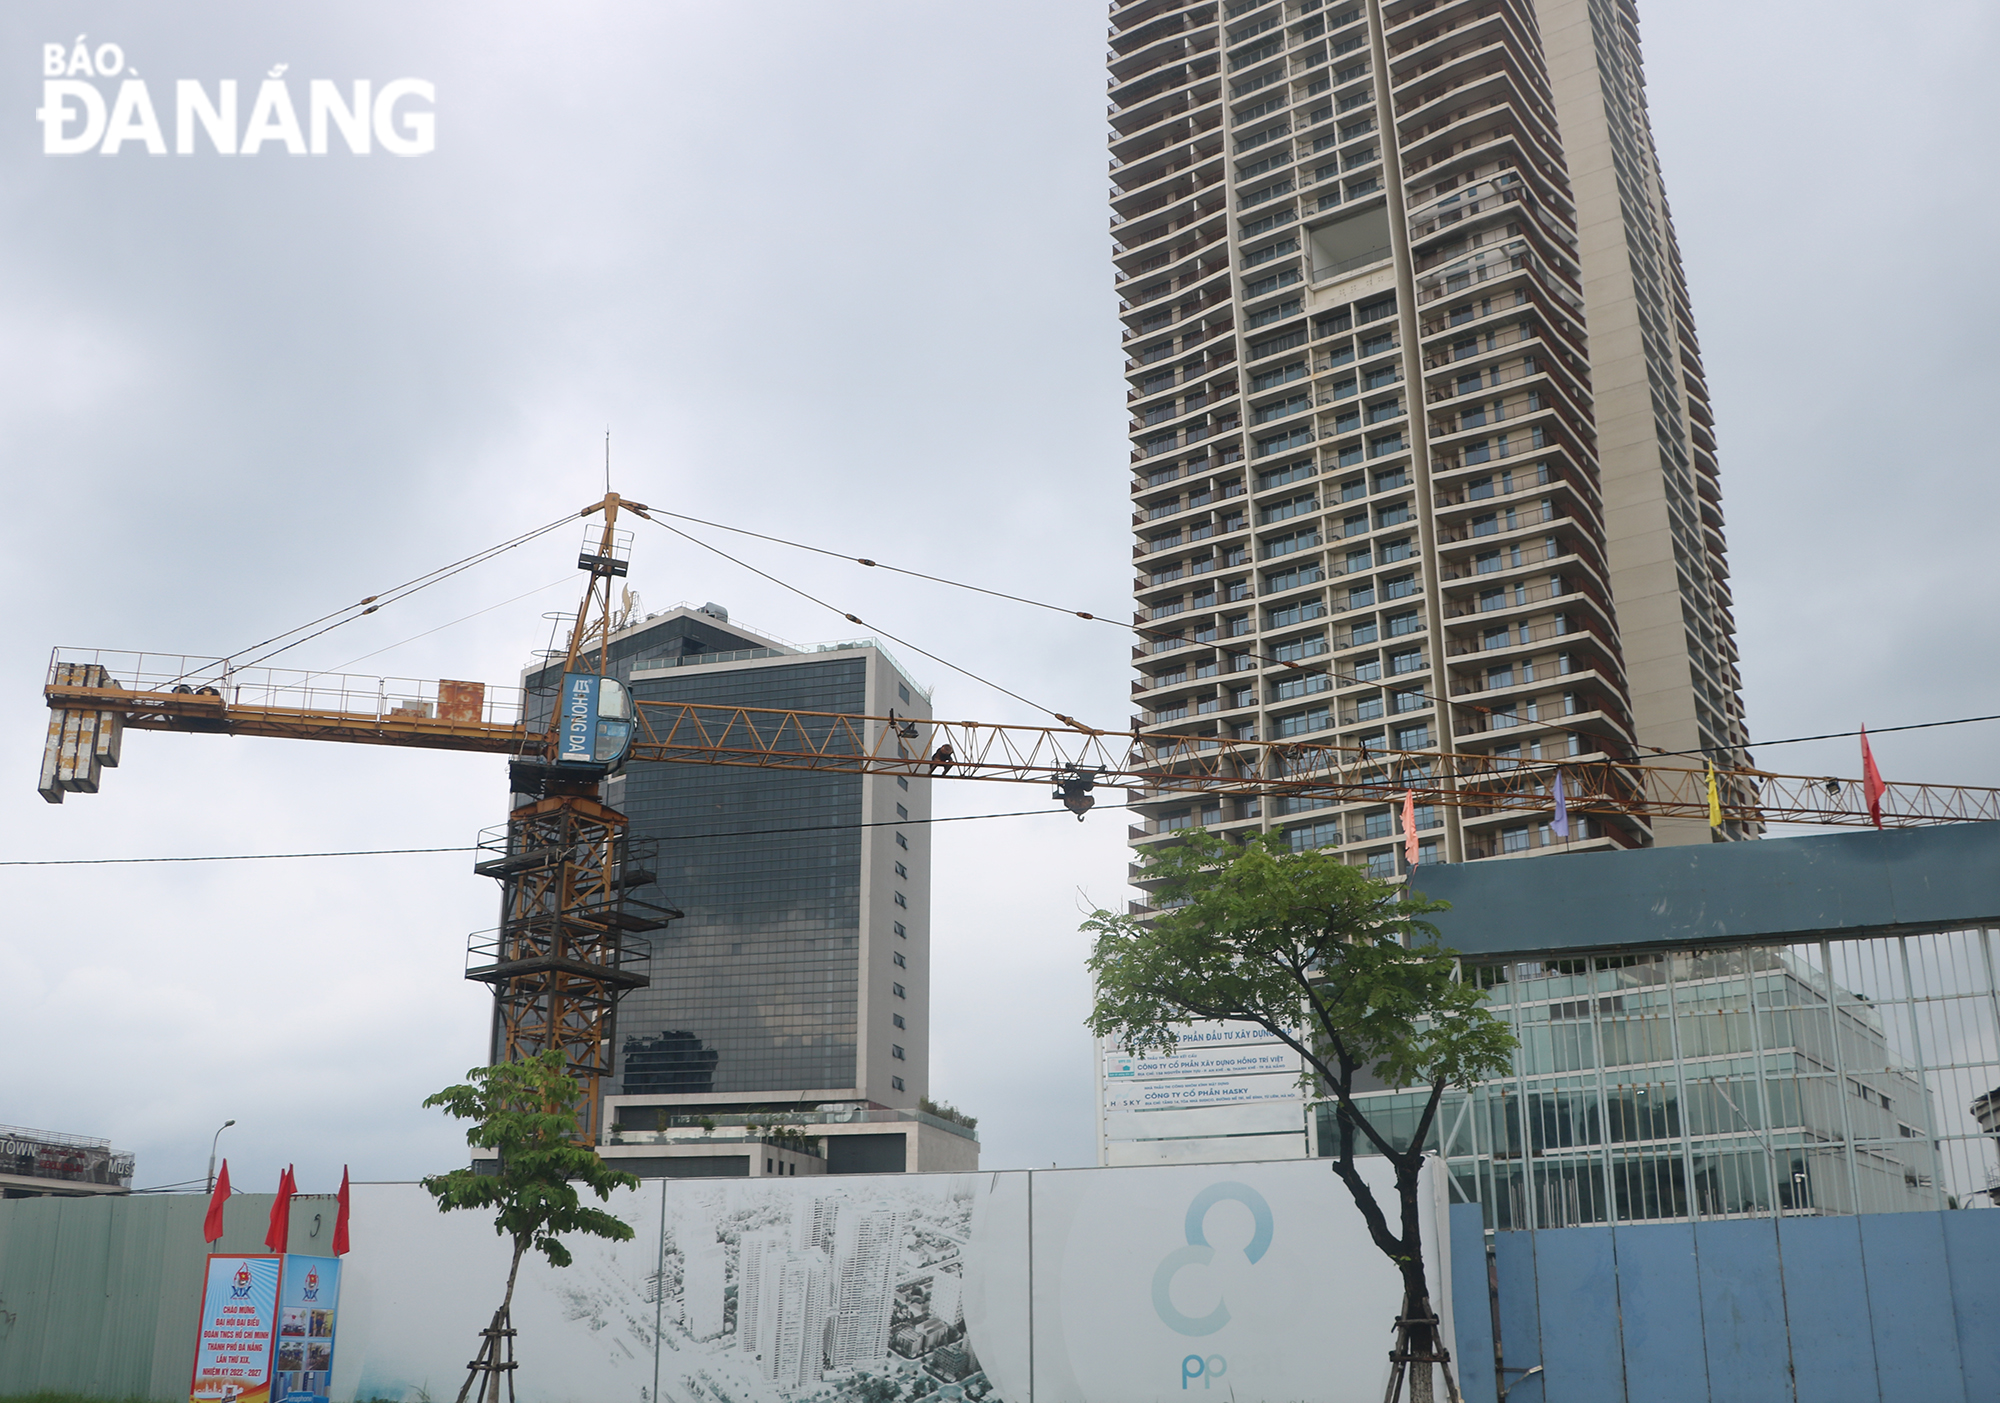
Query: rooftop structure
(42, 1163)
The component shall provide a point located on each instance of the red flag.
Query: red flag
(281, 1212)
(340, 1218)
(1410, 826)
(211, 1226)
(1872, 788)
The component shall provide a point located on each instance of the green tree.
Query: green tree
(526, 1112)
(1339, 966)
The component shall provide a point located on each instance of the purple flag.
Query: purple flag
(1561, 823)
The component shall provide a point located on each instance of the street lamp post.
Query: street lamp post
(211, 1155)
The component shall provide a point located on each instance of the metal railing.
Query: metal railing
(299, 690)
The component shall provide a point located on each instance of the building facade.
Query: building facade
(1378, 495)
(796, 986)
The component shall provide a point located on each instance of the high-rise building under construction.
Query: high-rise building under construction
(1422, 448)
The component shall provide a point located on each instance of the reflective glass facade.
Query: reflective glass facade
(759, 988)
(1831, 1078)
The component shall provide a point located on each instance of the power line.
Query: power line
(860, 622)
(1252, 650)
(400, 852)
(1249, 649)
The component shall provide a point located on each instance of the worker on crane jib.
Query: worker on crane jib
(942, 760)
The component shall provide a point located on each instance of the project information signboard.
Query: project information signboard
(238, 1334)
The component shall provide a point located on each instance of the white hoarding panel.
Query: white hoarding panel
(1244, 1281)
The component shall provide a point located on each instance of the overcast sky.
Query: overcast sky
(836, 272)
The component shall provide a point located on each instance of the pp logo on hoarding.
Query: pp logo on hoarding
(239, 1286)
(1207, 1370)
(1198, 1253)
(311, 1292)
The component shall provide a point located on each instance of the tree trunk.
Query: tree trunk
(1420, 1340)
(490, 1350)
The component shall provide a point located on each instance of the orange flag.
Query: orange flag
(1410, 826)
(1872, 788)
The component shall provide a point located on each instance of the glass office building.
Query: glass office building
(1833, 1078)
(799, 973)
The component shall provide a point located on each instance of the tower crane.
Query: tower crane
(568, 944)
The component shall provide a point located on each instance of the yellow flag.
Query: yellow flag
(1714, 799)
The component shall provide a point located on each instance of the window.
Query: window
(1278, 477)
(1399, 586)
(1375, 345)
(1400, 549)
(897, 1019)
(1382, 865)
(1294, 438)
(1486, 562)
(1297, 506)
(1297, 613)
(1392, 479)
(1375, 311)
(896, 958)
(1280, 376)
(1387, 409)
(1359, 560)
(1294, 649)
(1342, 389)
(1400, 624)
(1515, 839)
(896, 1082)
(1285, 545)
(897, 990)
(1388, 443)
(902, 783)
(902, 871)
(1283, 309)
(902, 812)
(896, 1051)
(1359, 634)
(1368, 709)
(1413, 737)
(1502, 676)
(1301, 722)
(901, 841)
(1246, 696)
(900, 901)
(900, 931)
(1291, 687)
(1360, 596)
(1365, 670)
(1395, 514)
(1347, 421)
(1410, 699)
(1411, 661)
(1175, 822)
(1279, 581)
(1313, 835)
(1354, 525)
(1380, 824)
(902, 691)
